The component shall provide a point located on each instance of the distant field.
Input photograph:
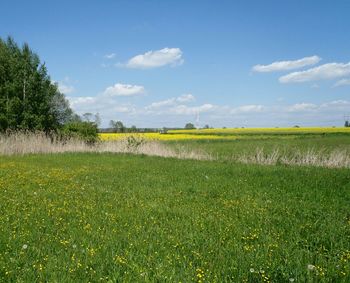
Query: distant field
(293, 130)
(126, 218)
(232, 133)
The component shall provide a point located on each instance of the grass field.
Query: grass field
(103, 217)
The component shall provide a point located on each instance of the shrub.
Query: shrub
(86, 131)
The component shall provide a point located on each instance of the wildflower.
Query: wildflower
(291, 279)
(74, 246)
(252, 270)
(24, 247)
(310, 267)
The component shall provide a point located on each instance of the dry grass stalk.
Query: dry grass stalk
(20, 143)
(332, 159)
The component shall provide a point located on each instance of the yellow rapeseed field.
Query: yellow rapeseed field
(162, 137)
(227, 134)
(296, 130)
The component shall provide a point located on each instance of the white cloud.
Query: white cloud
(287, 65)
(124, 90)
(342, 82)
(301, 107)
(247, 109)
(65, 89)
(185, 98)
(158, 58)
(187, 110)
(323, 72)
(123, 109)
(109, 56)
(161, 104)
(81, 100)
(339, 105)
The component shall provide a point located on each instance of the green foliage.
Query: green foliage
(117, 126)
(28, 98)
(87, 131)
(347, 124)
(189, 126)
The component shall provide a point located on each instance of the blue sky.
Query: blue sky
(162, 63)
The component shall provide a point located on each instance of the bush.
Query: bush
(86, 131)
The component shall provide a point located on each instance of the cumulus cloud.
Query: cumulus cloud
(247, 109)
(187, 110)
(109, 56)
(124, 90)
(108, 107)
(158, 58)
(301, 107)
(339, 105)
(323, 72)
(185, 98)
(342, 82)
(81, 100)
(287, 65)
(65, 89)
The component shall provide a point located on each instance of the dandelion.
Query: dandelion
(252, 270)
(24, 247)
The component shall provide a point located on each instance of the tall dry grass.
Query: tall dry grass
(337, 158)
(20, 143)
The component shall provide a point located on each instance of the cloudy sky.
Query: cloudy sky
(154, 63)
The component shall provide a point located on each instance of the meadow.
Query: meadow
(100, 216)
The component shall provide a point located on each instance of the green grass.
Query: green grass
(224, 149)
(124, 218)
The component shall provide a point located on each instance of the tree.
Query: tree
(97, 119)
(61, 109)
(28, 98)
(88, 117)
(206, 126)
(189, 126)
(133, 129)
(117, 126)
(347, 124)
